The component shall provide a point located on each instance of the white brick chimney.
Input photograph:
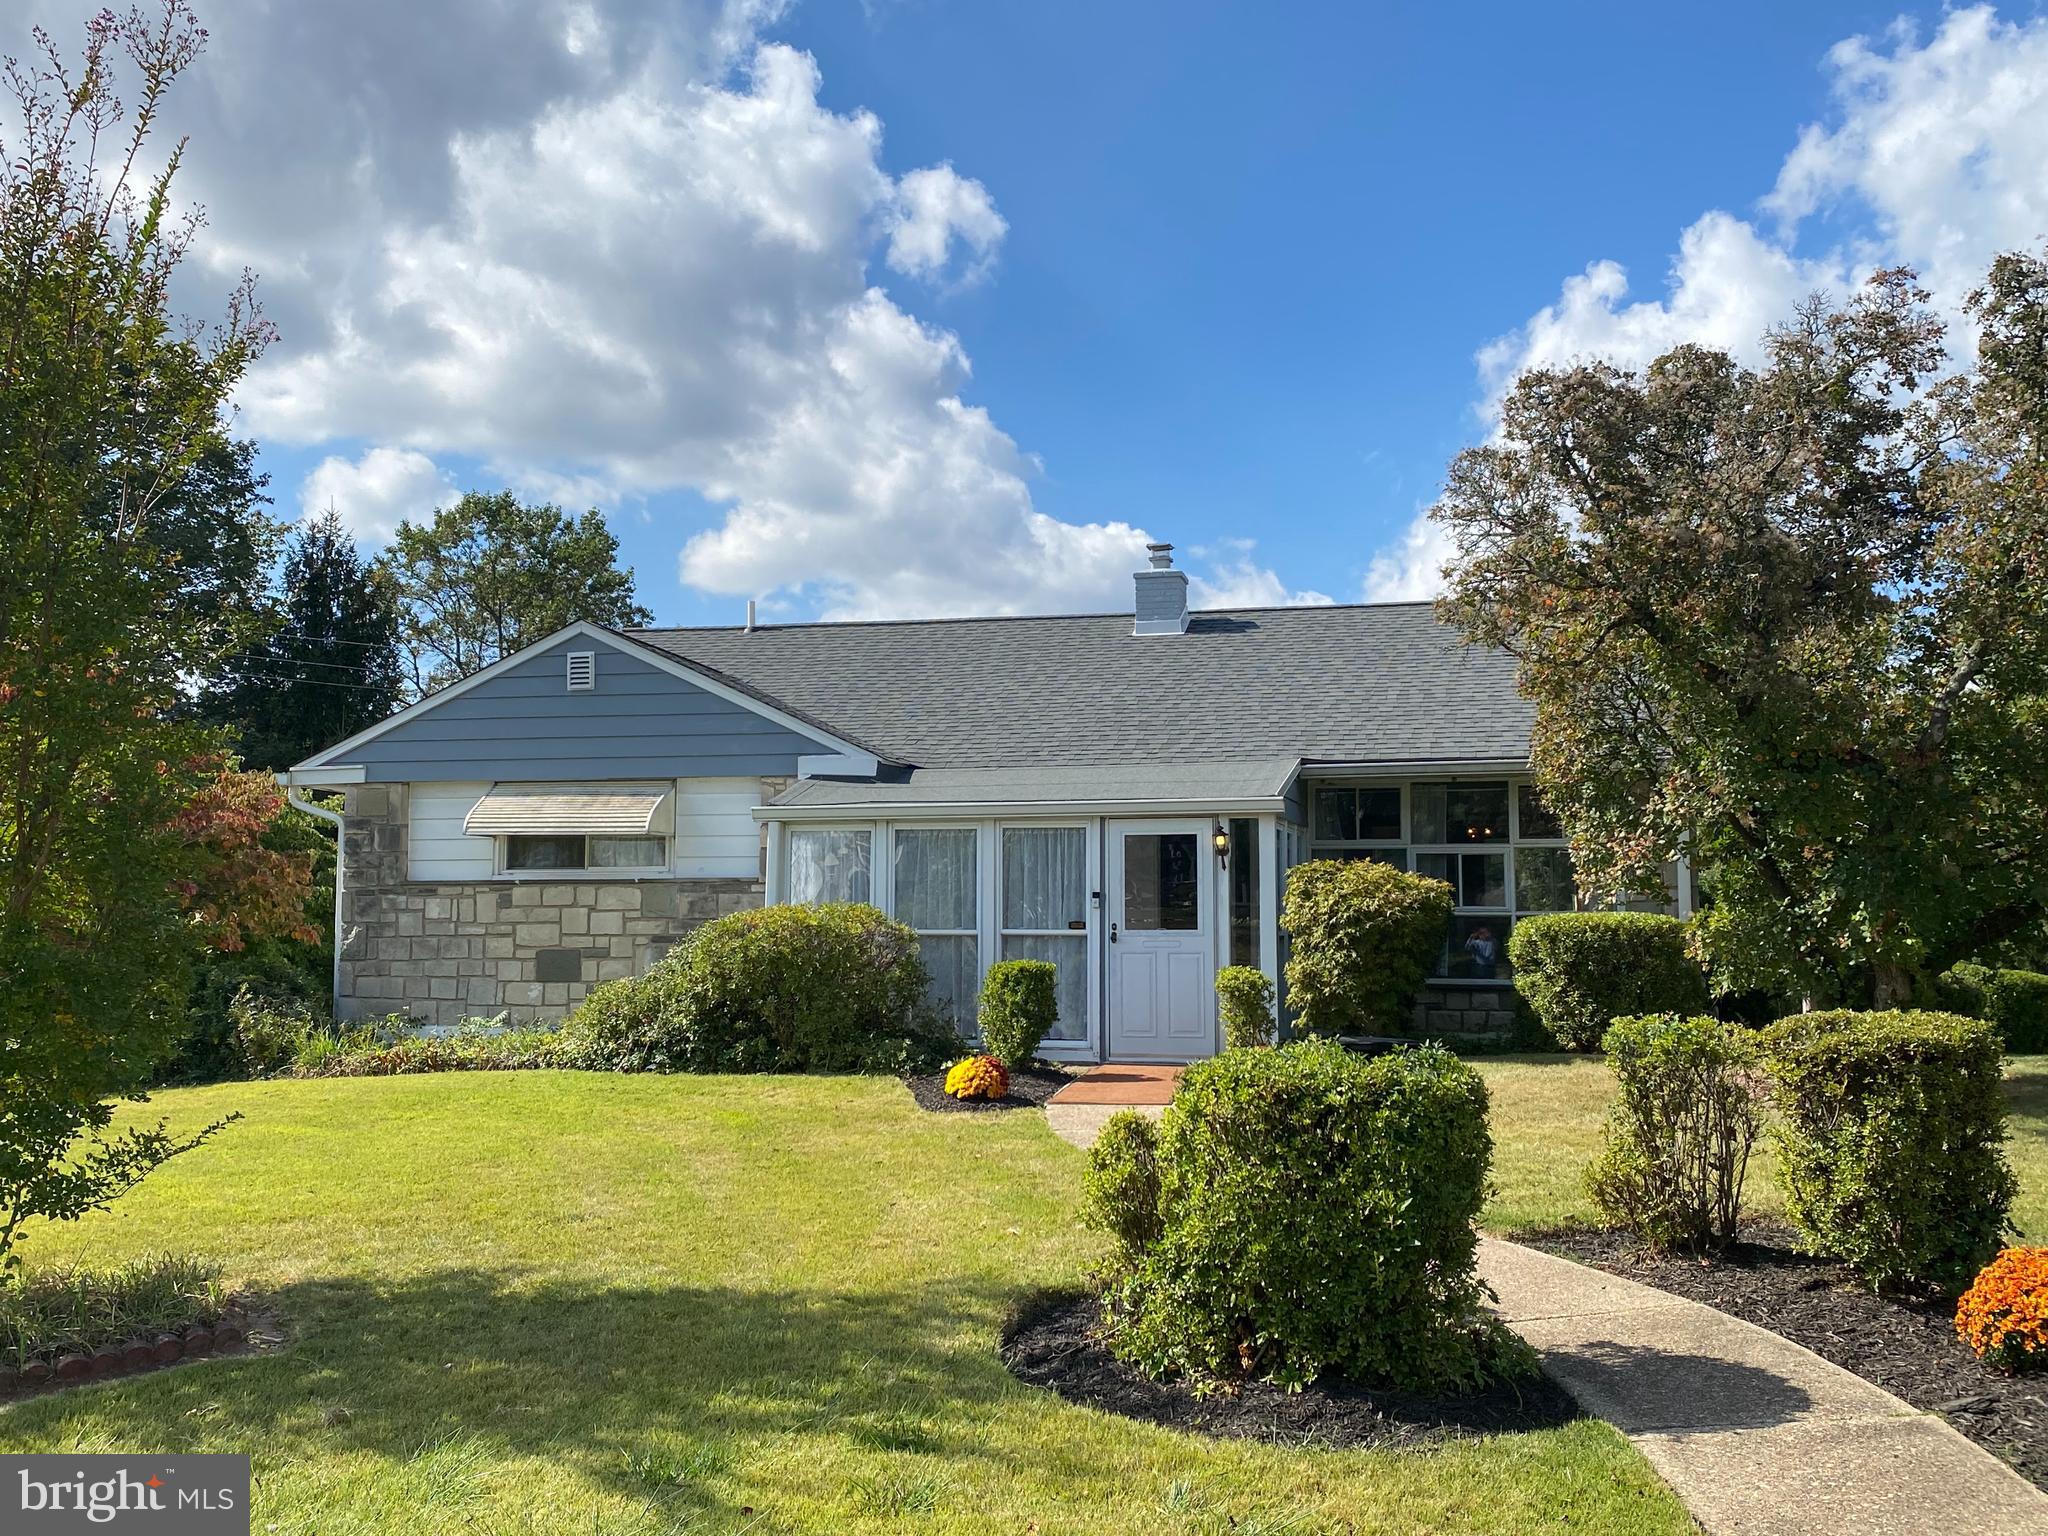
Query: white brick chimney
(1162, 595)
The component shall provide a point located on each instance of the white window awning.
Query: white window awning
(596, 810)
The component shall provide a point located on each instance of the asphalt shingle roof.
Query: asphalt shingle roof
(1367, 683)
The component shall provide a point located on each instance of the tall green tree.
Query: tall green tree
(330, 667)
(1793, 622)
(113, 415)
(492, 573)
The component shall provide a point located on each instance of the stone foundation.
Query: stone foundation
(1468, 1011)
(529, 949)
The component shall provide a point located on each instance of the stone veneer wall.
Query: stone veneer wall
(1475, 1011)
(530, 949)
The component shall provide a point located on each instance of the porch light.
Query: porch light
(1221, 839)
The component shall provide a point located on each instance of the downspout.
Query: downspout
(294, 800)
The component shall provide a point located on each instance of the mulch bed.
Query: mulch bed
(1908, 1348)
(234, 1332)
(1030, 1087)
(1053, 1343)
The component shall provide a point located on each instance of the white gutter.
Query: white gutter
(294, 800)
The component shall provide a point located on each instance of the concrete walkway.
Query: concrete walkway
(1754, 1433)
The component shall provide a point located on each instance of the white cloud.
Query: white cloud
(1937, 158)
(935, 207)
(621, 246)
(376, 492)
(1235, 580)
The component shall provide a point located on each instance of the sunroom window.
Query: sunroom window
(937, 880)
(1045, 912)
(830, 864)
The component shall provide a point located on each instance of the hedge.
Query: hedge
(1314, 1218)
(2014, 1002)
(1580, 971)
(1020, 1003)
(1244, 997)
(1890, 1142)
(1365, 937)
(833, 988)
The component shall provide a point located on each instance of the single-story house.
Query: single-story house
(1120, 793)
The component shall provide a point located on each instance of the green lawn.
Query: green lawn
(1546, 1123)
(547, 1302)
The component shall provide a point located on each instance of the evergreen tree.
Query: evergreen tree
(330, 668)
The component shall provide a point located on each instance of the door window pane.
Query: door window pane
(953, 961)
(1160, 875)
(1045, 877)
(1533, 817)
(828, 865)
(935, 877)
(1069, 952)
(1244, 892)
(627, 853)
(1459, 813)
(543, 852)
(1543, 880)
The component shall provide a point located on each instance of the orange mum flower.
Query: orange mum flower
(2003, 1316)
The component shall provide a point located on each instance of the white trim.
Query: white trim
(1419, 768)
(324, 778)
(584, 629)
(1263, 805)
(838, 765)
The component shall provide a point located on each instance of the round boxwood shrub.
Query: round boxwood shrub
(1314, 1217)
(1244, 994)
(1020, 1003)
(1366, 935)
(1580, 971)
(1890, 1142)
(2015, 1003)
(834, 988)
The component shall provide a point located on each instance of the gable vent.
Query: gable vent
(582, 671)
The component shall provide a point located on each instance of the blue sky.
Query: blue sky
(933, 306)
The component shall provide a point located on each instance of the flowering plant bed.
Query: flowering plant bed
(1909, 1348)
(1030, 1087)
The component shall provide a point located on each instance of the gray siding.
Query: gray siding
(638, 722)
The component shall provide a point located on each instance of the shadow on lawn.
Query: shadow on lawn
(656, 1394)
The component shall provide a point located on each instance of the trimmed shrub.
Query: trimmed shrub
(1889, 1142)
(1685, 1117)
(1581, 971)
(978, 1077)
(1020, 1003)
(2003, 1316)
(1315, 1217)
(835, 988)
(2013, 1002)
(1120, 1190)
(1366, 936)
(1244, 994)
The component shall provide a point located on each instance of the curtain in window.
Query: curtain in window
(1045, 877)
(627, 853)
(935, 877)
(1045, 909)
(828, 866)
(938, 895)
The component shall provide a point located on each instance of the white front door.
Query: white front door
(1162, 945)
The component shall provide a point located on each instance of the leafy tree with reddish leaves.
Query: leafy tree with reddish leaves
(1792, 621)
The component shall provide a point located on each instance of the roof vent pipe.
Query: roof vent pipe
(1162, 607)
(750, 615)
